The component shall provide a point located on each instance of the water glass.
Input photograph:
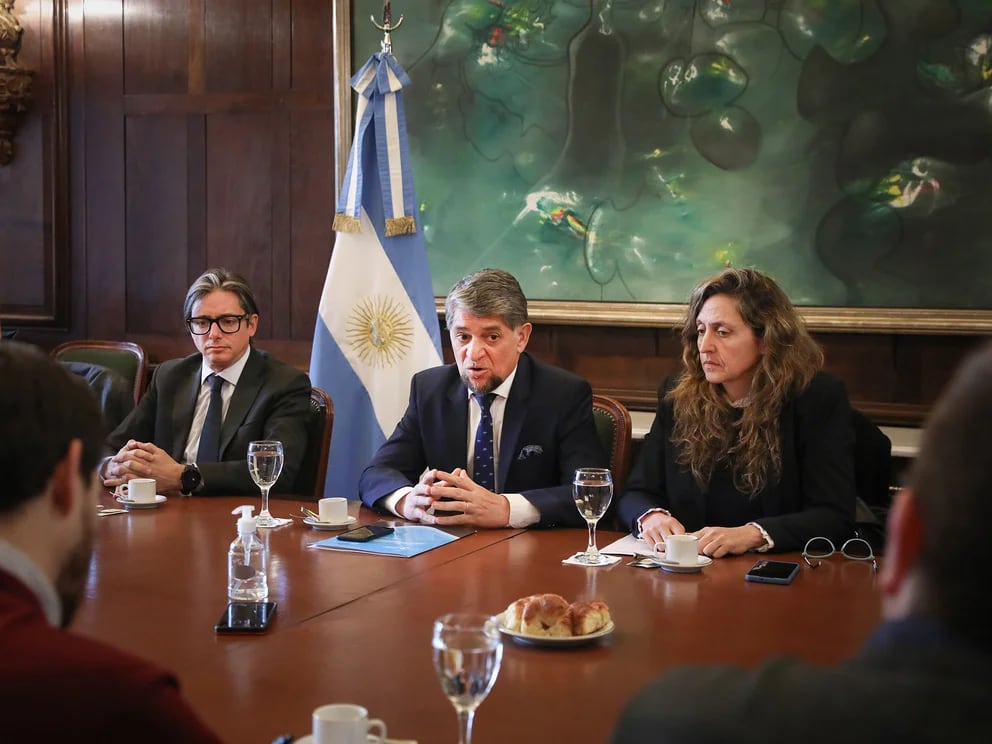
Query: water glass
(592, 489)
(467, 654)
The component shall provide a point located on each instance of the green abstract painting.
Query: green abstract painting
(616, 151)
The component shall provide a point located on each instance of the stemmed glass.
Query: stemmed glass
(592, 489)
(467, 655)
(265, 459)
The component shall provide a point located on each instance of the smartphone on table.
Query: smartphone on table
(246, 617)
(366, 533)
(772, 572)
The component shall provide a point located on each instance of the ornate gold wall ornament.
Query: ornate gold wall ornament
(15, 81)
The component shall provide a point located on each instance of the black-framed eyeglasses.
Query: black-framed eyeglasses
(855, 549)
(227, 324)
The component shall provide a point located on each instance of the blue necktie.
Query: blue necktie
(209, 449)
(483, 463)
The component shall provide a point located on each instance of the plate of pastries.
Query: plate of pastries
(551, 620)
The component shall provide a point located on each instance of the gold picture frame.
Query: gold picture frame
(882, 320)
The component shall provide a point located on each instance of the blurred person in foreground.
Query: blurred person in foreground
(191, 429)
(923, 675)
(540, 426)
(55, 685)
(752, 445)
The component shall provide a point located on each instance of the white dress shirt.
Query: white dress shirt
(231, 375)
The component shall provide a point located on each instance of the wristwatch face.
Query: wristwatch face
(190, 478)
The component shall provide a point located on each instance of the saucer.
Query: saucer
(129, 504)
(329, 525)
(672, 567)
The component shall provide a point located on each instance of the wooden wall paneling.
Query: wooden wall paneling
(34, 257)
(156, 47)
(312, 200)
(934, 360)
(238, 45)
(846, 354)
(239, 199)
(103, 69)
(156, 222)
(196, 197)
(280, 272)
(313, 53)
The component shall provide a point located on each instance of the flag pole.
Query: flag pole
(387, 26)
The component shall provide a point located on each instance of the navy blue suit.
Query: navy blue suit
(547, 433)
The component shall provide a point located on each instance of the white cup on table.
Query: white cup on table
(139, 490)
(681, 549)
(344, 723)
(333, 509)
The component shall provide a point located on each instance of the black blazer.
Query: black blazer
(270, 401)
(814, 497)
(548, 432)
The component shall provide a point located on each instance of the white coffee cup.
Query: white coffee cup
(343, 723)
(140, 490)
(334, 509)
(681, 549)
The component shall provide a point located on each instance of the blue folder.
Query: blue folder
(406, 541)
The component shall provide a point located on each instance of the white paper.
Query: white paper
(629, 545)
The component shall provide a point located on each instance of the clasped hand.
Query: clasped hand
(143, 460)
(715, 542)
(456, 492)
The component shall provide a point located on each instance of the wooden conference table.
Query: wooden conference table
(357, 628)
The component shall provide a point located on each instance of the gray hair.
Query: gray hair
(489, 292)
(213, 279)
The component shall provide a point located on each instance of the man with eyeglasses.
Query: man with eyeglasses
(923, 674)
(191, 430)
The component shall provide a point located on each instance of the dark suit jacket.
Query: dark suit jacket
(548, 432)
(270, 401)
(912, 683)
(814, 496)
(112, 391)
(58, 686)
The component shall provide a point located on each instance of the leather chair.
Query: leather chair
(313, 470)
(124, 357)
(613, 427)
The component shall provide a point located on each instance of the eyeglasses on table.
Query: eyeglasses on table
(855, 549)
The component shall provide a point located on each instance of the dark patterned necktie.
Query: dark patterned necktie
(483, 462)
(209, 449)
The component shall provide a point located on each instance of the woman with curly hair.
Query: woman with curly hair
(752, 444)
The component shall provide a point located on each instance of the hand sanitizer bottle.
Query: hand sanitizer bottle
(247, 562)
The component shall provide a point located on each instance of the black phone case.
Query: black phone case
(754, 574)
(365, 533)
(246, 617)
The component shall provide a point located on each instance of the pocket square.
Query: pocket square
(529, 450)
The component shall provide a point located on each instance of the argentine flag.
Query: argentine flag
(376, 325)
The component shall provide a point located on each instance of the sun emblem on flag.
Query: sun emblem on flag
(380, 331)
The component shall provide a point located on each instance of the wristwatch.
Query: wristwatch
(190, 479)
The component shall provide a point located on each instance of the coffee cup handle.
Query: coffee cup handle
(377, 723)
(657, 545)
